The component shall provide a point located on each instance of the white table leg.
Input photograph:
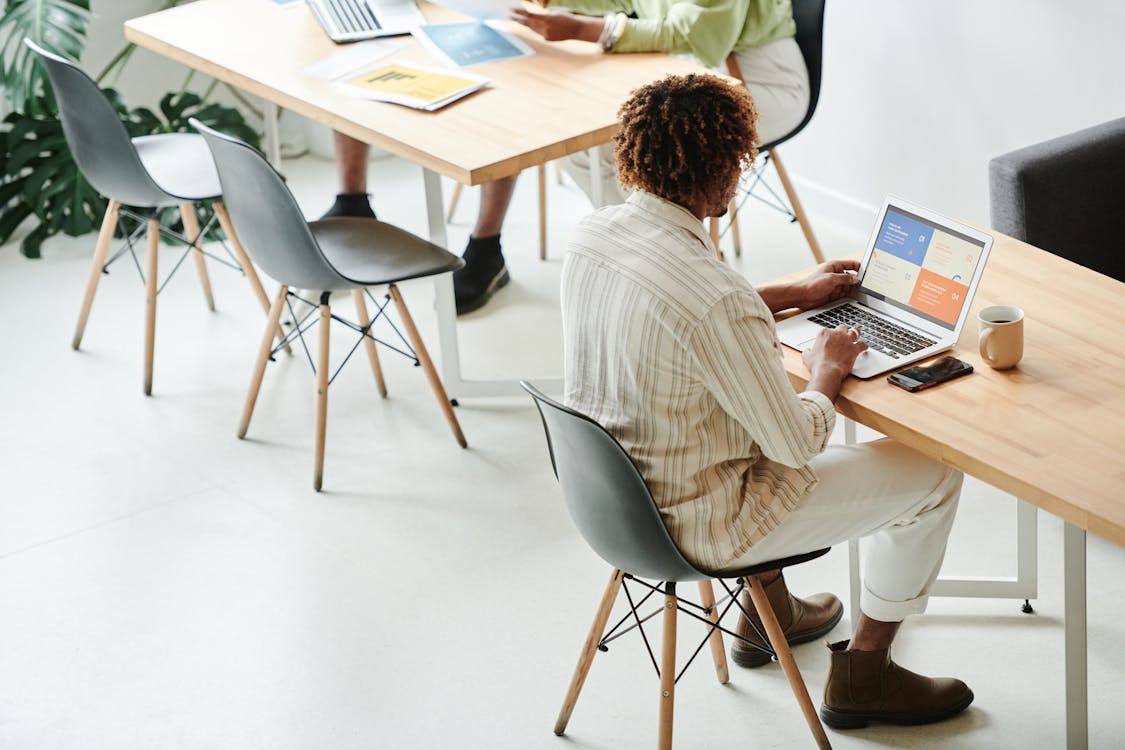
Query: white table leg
(272, 138)
(455, 384)
(1074, 609)
(1025, 584)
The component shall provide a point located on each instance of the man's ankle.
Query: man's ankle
(873, 635)
(351, 204)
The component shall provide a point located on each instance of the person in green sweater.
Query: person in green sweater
(760, 34)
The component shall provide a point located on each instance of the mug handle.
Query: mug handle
(985, 335)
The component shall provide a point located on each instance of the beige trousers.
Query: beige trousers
(900, 498)
(777, 80)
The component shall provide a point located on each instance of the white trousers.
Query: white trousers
(902, 499)
(777, 79)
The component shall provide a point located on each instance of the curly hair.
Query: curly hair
(686, 138)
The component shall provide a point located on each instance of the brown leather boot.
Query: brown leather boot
(801, 620)
(866, 686)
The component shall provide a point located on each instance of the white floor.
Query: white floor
(164, 585)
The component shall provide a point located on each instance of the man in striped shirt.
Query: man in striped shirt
(677, 356)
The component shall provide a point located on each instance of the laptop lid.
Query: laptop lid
(353, 20)
(922, 268)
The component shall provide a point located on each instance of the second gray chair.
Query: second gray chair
(808, 15)
(615, 513)
(330, 255)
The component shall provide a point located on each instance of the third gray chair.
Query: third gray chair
(809, 18)
(611, 505)
(337, 254)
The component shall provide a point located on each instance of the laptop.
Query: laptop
(917, 281)
(353, 20)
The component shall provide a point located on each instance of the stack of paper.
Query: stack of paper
(412, 85)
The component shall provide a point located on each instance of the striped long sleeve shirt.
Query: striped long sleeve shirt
(676, 355)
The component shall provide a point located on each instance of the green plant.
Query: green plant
(40, 180)
(58, 25)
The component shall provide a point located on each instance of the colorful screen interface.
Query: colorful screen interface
(921, 266)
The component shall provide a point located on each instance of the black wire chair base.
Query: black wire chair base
(301, 325)
(688, 607)
(131, 237)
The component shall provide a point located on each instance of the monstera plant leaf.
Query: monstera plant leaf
(177, 108)
(41, 177)
(57, 25)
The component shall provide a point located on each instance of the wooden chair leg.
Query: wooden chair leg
(321, 393)
(191, 231)
(97, 268)
(247, 267)
(735, 235)
(798, 211)
(427, 365)
(718, 653)
(542, 212)
(263, 357)
(150, 299)
(372, 355)
(558, 172)
(785, 656)
(453, 201)
(713, 227)
(589, 649)
(668, 668)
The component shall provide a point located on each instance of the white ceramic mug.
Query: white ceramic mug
(1001, 335)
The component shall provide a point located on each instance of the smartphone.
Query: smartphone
(918, 378)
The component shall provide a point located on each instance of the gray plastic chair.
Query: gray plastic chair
(147, 173)
(614, 511)
(1064, 195)
(809, 18)
(337, 254)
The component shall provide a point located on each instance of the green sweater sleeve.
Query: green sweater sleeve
(707, 29)
(596, 7)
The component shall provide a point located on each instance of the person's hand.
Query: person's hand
(828, 283)
(831, 358)
(555, 27)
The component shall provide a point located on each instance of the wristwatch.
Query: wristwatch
(611, 31)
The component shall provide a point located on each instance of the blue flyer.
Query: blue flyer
(470, 43)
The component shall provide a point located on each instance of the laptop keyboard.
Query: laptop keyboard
(878, 333)
(349, 16)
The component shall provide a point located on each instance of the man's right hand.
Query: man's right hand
(831, 358)
(557, 27)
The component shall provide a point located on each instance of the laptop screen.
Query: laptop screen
(921, 266)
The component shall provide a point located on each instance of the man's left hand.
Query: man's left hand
(829, 282)
(555, 27)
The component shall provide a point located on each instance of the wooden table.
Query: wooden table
(1051, 431)
(562, 100)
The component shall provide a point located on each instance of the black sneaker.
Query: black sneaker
(484, 272)
(351, 204)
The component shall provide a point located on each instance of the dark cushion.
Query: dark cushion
(1067, 196)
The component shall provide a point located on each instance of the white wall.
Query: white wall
(147, 76)
(918, 96)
